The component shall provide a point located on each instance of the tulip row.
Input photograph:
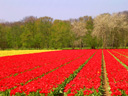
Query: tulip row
(88, 80)
(72, 72)
(122, 51)
(22, 78)
(117, 75)
(12, 65)
(122, 58)
(51, 81)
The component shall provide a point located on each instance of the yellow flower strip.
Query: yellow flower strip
(18, 52)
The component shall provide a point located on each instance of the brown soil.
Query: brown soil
(105, 82)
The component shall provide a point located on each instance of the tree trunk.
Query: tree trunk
(104, 42)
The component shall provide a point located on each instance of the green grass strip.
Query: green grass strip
(60, 88)
(5, 93)
(101, 90)
(120, 54)
(53, 69)
(119, 60)
(15, 74)
(28, 69)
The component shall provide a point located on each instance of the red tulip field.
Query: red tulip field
(91, 72)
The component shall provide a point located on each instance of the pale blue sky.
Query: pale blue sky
(15, 10)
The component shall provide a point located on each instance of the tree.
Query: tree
(3, 43)
(111, 29)
(13, 35)
(28, 32)
(79, 31)
(101, 28)
(105, 30)
(60, 35)
(89, 40)
(43, 31)
(118, 26)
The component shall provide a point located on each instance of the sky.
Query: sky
(16, 10)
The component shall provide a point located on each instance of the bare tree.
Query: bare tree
(101, 28)
(79, 30)
(118, 26)
(112, 29)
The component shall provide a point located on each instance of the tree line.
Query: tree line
(104, 31)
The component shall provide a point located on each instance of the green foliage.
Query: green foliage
(60, 35)
(3, 41)
(46, 33)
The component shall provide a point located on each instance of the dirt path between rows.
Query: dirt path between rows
(105, 82)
